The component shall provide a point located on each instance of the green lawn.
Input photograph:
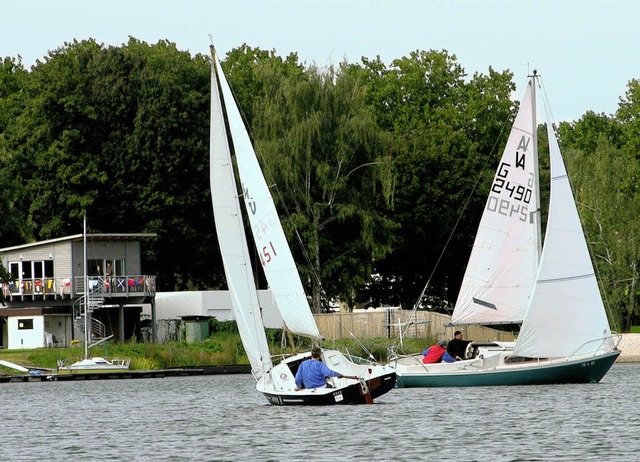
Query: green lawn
(221, 349)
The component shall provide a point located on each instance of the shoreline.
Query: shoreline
(135, 374)
(630, 347)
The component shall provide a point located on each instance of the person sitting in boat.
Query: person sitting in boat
(447, 358)
(434, 353)
(457, 347)
(313, 373)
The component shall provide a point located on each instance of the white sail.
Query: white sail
(566, 315)
(504, 260)
(270, 240)
(565, 328)
(232, 240)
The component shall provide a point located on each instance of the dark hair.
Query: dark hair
(457, 333)
(316, 352)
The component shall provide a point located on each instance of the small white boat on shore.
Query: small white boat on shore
(93, 365)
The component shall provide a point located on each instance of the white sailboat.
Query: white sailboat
(361, 382)
(565, 335)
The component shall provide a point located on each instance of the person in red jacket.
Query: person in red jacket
(434, 353)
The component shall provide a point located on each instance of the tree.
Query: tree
(628, 115)
(318, 142)
(12, 81)
(586, 133)
(606, 187)
(247, 69)
(442, 130)
(121, 133)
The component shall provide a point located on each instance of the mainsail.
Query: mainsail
(271, 243)
(504, 260)
(233, 243)
(566, 315)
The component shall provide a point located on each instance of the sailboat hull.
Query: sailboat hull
(350, 394)
(363, 381)
(475, 373)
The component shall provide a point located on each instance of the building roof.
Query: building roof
(90, 237)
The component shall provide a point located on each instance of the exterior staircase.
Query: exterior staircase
(97, 329)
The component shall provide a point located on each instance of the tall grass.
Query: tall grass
(221, 349)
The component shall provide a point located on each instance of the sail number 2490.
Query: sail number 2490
(516, 191)
(267, 254)
(519, 196)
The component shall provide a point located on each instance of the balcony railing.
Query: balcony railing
(45, 287)
(131, 284)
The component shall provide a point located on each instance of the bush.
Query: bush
(218, 327)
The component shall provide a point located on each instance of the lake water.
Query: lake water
(224, 418)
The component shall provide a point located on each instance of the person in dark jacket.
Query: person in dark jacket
(457, 347)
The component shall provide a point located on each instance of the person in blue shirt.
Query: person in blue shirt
(313, 373)
(447, 358)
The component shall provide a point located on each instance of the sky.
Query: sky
(585, 50)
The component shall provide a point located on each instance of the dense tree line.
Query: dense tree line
(372, 164)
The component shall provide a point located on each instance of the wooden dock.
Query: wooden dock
(45, 376)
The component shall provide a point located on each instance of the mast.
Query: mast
(86, 288)
(538, 213)
(230, 231)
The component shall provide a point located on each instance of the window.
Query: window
(31, 277)
(48, 268)
(95, 267)
(106, 267)
(27, 270)
(119, 266)
(38, 269)
(14, 269)
(25, 324)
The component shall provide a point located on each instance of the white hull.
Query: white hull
(94, 365)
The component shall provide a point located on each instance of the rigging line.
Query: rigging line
(267, 172)
(357, 340)
(265, 168)
(464, 208)
(303, 247)
(547, 107)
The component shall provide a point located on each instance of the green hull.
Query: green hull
(587, 370)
